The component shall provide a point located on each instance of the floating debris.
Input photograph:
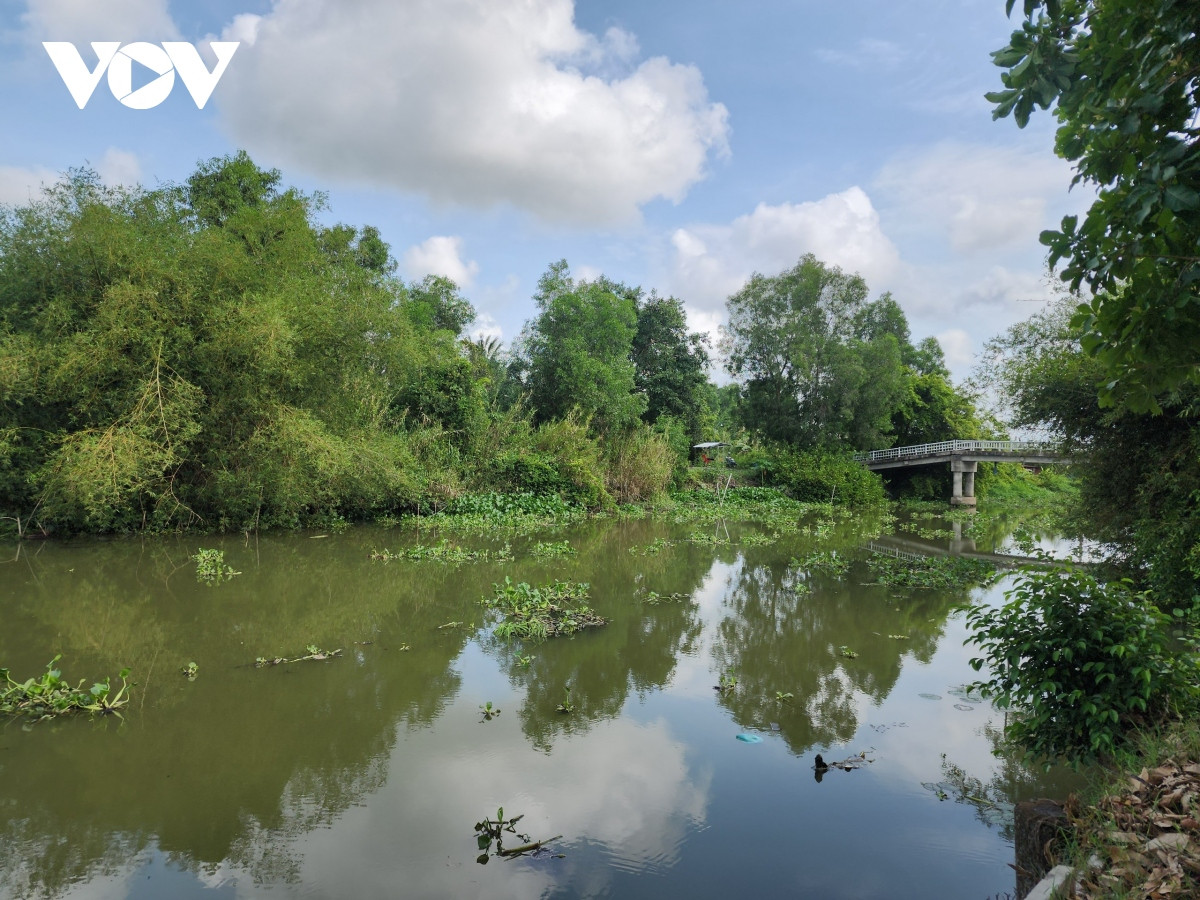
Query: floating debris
(848, 764)
(314, 653)
(489, 832)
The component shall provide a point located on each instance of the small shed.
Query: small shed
(703, 452)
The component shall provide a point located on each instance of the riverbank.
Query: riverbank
(1136, 834)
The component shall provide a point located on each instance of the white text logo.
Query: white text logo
(118, 60)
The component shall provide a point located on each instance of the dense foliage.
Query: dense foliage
(1124, 76)
(823, 477)
(189, 355)
(821, 366)
(670, 364)
(208, 355)
(1138, 477)
(579, 351)
(1081, 662)
(815, 372)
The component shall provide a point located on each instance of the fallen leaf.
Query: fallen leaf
(1173, 841)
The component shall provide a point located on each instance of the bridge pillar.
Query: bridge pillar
(958, 543)
(963, 474)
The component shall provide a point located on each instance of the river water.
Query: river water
(364, 776)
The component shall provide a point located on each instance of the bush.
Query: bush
(1081, 661)
(640, 465)
(528, 472)
(577, 458)
(816, 477)
(1012, 483)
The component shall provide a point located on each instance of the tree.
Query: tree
(932, 409)
(208, 354)
(670, 364)
(821, 366)
(1139, 482)
(578, 350)
(928, 359)
(436, 303)
(1124, 78)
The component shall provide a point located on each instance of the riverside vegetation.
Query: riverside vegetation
(207, 356)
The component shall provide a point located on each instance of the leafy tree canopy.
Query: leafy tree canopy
(436, 303)
(209, 355)
(1124, 78)
(579, 349)
(670, 364)
(824, 366)
(1138, 477)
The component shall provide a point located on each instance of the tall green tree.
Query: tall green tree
(579, 351)
(670, 365)
(436, 303)
(1139, 478)
(820, 364)
(1122, 78)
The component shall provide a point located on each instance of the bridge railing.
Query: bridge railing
(949, 447)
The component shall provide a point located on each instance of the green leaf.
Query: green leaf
(1180, 198)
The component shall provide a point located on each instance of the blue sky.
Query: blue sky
(678, 146)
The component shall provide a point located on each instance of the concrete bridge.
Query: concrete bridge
(964, 458)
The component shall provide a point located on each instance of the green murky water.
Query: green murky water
(364, 776)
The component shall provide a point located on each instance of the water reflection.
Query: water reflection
(363, 775)
(637, 651)
(782, 631)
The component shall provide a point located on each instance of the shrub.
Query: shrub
(816, 477)
(640, 465)
(528, 472)
(576, 455)
(1081, 661)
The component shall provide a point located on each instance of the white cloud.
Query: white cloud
(19, 185)
(585, 272)
(243, 28)
(440, 255)
(22, 184)
(119, 167)
(476, 102)
(961, 297)
(978, 198)
(710, 262)
(83, 21)
(486, 327)
(958, 348)
(1000, 286)
(867, 53)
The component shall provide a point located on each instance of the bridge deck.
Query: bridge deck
(1036, 452)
